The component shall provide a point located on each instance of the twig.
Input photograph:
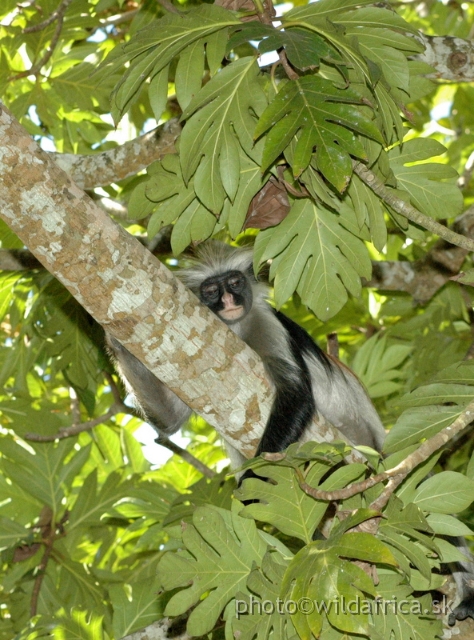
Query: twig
(75, 407)
(41, 570)
(333, 344)
(408, 211)
(42, 25)
(466, 176)
(51, 532)
(166, 4)
(290, 72)
(74, 429)
(114, 389)
(396, 474)
(186, 455)
(36, 68)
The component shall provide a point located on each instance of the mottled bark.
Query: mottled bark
(452, 58)
(132, 295)
(126, 160)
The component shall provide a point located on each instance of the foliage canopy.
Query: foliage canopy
(325, 149)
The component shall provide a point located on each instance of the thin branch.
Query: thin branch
(75, 406)
(290, 72)
(186, 455)
(167, 6)
(333, 344)
(466, 176)
(42, 25)
(398, 473)
(74, 429)
(117, 407)
(408, 211)
(41, 570)
(36, 68)
(114, 389)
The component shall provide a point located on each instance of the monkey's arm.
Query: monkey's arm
(160, 406)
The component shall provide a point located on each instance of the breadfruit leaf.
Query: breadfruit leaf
(314, 254)
(221, 551)
(431, 186)
(318, 573)
(285, 505)
(221, 114)
(325, 121)
(153, 48)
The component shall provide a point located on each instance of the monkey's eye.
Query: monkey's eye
(235, 283)
(210, 291)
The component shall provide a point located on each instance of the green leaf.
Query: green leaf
(77, 86)
(135, 607)
(368, 210)
(223, 548)
(447, 492)
(152, 49)
(250, 182)
(431, 187)
(319, 573)
(189, 73)
(282, 503)
(222, 109)
(39, 473)
(78, 625)
(158, 94)
(447, 525)
(417, 621)
(417, 424)
(304, 48)
(318, 111)
(408, 549)
(92, 503)
(325, 9)
(196, 223)
(11, 533)
(216, 49)
(264, 581)
(315, 255)
(378, 365)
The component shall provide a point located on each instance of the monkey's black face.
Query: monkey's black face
(228, 295)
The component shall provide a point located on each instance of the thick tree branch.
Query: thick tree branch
(129, 292)
(126, 160)
(452, 58)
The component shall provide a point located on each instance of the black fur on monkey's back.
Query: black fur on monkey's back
(306, 380)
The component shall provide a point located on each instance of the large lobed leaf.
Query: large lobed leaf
(315, 255)
(431, 187)
(219, 118)
(318, 573)
(285, 505)
(155, 47)
(325, 120)
(221, 551)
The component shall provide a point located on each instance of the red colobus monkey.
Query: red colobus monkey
(306, 380)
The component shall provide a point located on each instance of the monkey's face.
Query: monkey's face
(228, 295)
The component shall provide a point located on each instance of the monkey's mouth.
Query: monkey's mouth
(231, 313)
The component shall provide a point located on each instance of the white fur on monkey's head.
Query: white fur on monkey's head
(213, 258)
